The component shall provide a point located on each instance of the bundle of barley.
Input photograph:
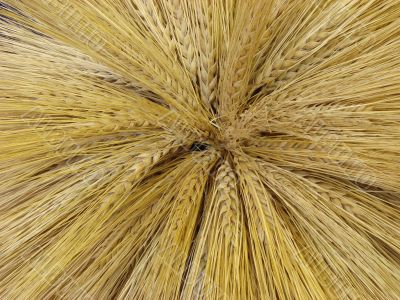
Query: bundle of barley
(200, 149)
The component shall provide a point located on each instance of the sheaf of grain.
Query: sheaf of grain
(168, 149)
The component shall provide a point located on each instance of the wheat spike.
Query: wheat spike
(170, 248)
(239, 60)
(198, 149)
(207, 52)
(225, 227)
(363, 245)
(268, 234)
(179, 18)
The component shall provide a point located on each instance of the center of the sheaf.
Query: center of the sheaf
(199, 146)
(226, 135)
(210, 143)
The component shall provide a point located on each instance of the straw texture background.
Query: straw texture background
(166, 149)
